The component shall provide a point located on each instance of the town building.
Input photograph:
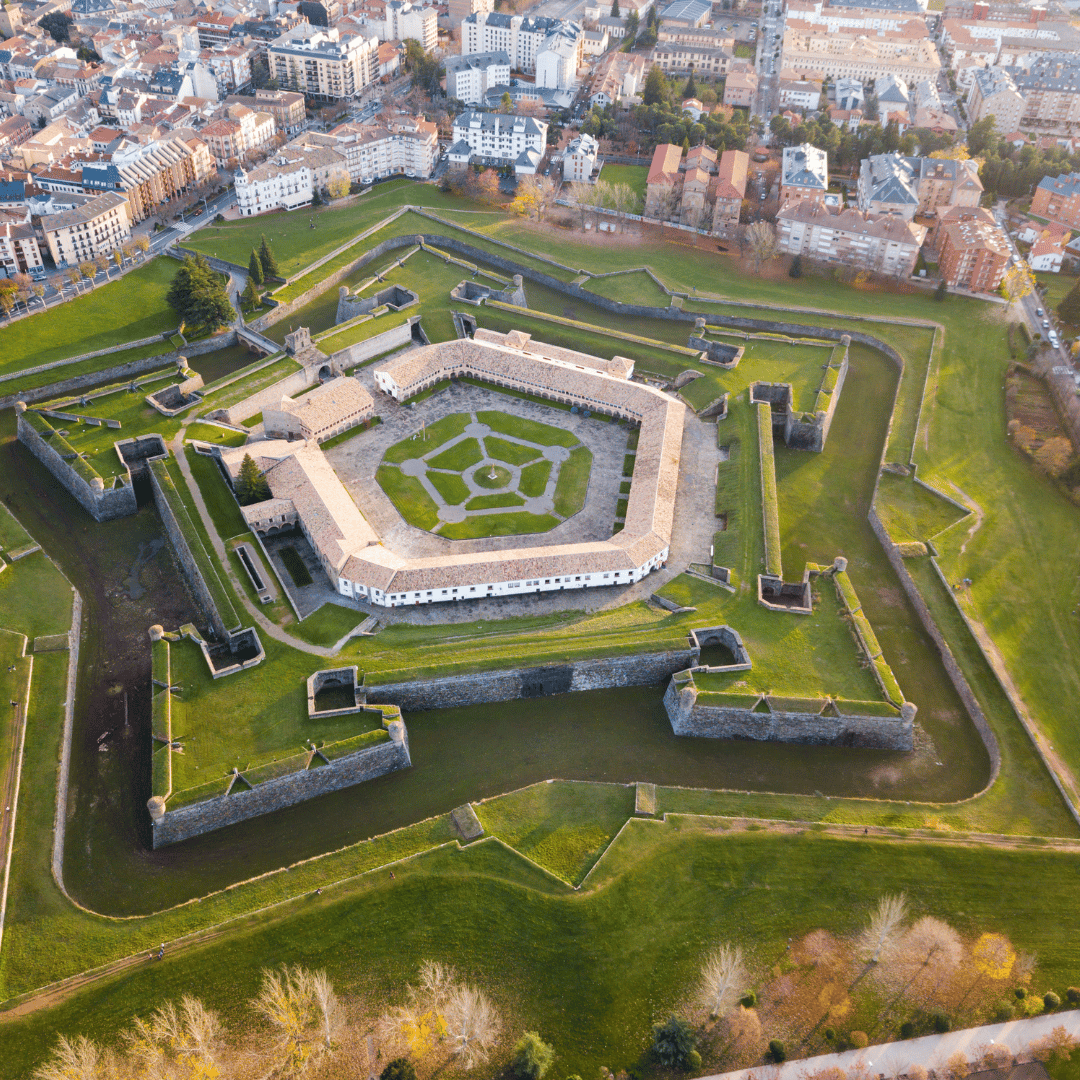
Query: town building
(499, 139)
(238, 133)
(618, 77)
(701, 191)
(993, 93)
(882, 243)
(1057, 198)
(686, 13)
(461, 9)
(406, 21)
(393, 145)
(525, 40)
(849, 94)
(98, 227)
(1046, 257)
(289, 179)
(330, 409)
(679, 57)
(579, 159)
(323, 63)
(20, 252)
(469, 77)
(285, 106)
(594, 42)
(799, 93)
(740, 88)
(907, 52)
(906, 186)
(1051, 92)
(804, 173)
(973, 252)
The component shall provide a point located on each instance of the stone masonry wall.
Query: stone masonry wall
(187, 562)
(204, 817)
(714, 722)
(483, 687)
(952, 669)
(373, 346)
(100, 505)
(271, 396)
(119, 372)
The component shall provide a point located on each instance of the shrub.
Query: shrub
(777, 1051)
(748, 1000)
(1051, 1001)
(532, 1057)
(829, 1033)
(1020, 992)
(673, 1043)
(398, 1069)
(859, 1039)
(1072, 995)
(1003, 1012)
(907, 1030)
(941, 1023)
(693, 1060)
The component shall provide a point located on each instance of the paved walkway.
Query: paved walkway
(931, 1051)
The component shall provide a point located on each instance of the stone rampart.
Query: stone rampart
(190, 567)
(360, 351)
(270, 397)
(454, 691)
(952, 668)
(119, 372)
(100, 503)
(689, 717)
(203, 817)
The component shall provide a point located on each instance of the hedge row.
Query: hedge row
(770, 511)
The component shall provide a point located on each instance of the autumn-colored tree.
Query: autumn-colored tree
(87, 269)
(303, 1016)
(487, 187)
(338, 187)
(1054, 455)
(172, 1042)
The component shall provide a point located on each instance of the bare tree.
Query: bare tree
(761, 238)
(923, 960)
(304, 1016)
(884, 929)
(625, 200)
(77, 1060)
(418, 1026)
(957, 1067)
(172, 1042)
(583, 198)
(472, 1025)
(667, 202)
(722, 978)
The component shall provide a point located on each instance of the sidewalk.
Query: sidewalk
(931, 1051)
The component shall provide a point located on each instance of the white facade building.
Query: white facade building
(403, 20)
(469, 77)
(392, 146)
(323, 63)
(579, 159)
(520, 140)
(524, 39)
(285, 182)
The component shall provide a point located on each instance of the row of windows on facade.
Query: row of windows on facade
(509, 585)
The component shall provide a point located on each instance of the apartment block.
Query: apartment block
(237, 133)
(804, 173)
(908, 53)
(880, 243)
(740, 88)
(469, 77)
(498, 138)
(98, 227)
(524, 40)
(973, 252)
(1051, 93)
(680, 57)
(579, 159)
(285, 106)
(395, 145)
(324, 63)
(19, 249)
(1057, 198)
(701, 191)
(993, 93)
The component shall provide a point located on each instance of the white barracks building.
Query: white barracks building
(306, 492)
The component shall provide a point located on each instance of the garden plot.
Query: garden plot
(488, 474)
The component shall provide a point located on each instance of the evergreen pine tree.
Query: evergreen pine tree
(1069, 308)
(691, 86)
(795, 269)
(255, 270)
(266, 257)
(249, 297)
(251, 485)
(615, 13)
(942, 290)
(198, 295)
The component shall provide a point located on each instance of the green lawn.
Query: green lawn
(413, 503)
(910, 512)
(13, 536)
(573, 483)
(328, 625)
(450, 486)
(636, 176)
(296, 566)
(510, 524)
(223, 508)
(332, 343)
(492, 502)
(511, 453)
(633, 288)
(531, 430)
(424, 442)
(534, 479)
(492, 476)
(458, 457)
(213, 434)
(130, 308)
